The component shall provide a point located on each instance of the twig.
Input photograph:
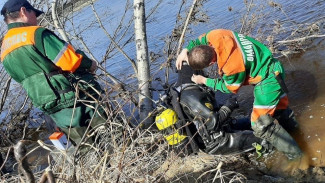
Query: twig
(6, 159)
(149, 140)
(5, 93)
(218, 171)
(20, 155)
(170, 51)
(47, 176)
(185, 26)
(244, 20)
(299, 39)
(5, 136)
(43, 145)
(112, 40)
(104, 167)
(65, 38)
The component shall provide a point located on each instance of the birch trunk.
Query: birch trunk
(57, 24)
(145, 103)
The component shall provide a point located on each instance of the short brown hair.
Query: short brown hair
(11, 16)
(200, 57)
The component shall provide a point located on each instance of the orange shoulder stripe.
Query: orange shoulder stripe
(67, 59)
(17, 37)
(230, 58)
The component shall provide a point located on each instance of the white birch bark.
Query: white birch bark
(145, 103)
(57, 24)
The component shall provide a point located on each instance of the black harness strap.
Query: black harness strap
(176, 105)
(64, 73)
(50, 74)
(282, 84)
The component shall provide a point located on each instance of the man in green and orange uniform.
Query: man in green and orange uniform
(49, 69)
(242, 60)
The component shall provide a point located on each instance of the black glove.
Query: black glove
(231, 103)
(224, 112)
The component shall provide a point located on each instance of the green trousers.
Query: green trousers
(75, 117)
(268, 94)
(78, 119)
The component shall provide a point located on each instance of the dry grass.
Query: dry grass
(124, 154)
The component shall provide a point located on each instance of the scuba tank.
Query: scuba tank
(172, 129)
(166, 122)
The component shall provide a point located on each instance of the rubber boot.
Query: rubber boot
(197, 103)
(98, 127)
(232, 143)
(99, 133)
(97, 122)
(274, 133)
(75, 135)
(287, 119)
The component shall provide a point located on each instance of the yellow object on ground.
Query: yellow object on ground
(165, 122)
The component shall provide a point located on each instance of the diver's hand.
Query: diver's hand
(231, 103)
(198, 79)
(181, 57)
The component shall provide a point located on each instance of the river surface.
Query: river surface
(161, 24)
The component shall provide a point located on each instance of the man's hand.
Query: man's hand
(198, 79)
(93, 67)
(181, 57)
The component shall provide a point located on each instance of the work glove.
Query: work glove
(232, 103)
(94, 66)
(224, 112)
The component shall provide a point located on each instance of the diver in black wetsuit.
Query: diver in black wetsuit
(212, 129)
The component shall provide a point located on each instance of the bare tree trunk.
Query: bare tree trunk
(145, 102)
(57, 24)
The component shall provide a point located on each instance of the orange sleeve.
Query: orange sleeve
(68, 59)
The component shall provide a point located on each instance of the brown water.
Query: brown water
(306, 83)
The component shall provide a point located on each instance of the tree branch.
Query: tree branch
(112, 40)
(185, 26)
(57, 23)
(299, 39)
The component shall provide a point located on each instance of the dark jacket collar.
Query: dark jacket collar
(17, 24)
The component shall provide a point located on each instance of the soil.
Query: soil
(241, 168)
